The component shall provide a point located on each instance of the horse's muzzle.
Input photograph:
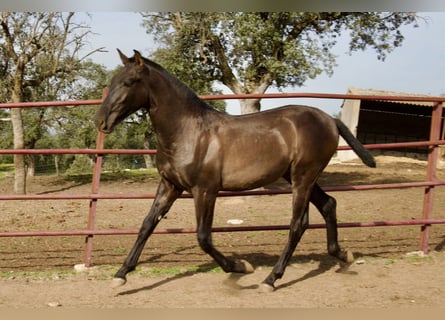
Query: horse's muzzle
(101, 125)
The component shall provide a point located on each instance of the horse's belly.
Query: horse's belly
(252, 175)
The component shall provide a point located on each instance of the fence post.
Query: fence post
(94, 190)
(93, 202)
(433, 154)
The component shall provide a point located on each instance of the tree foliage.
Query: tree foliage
(39, 55)
(250, 51)
(188, 72)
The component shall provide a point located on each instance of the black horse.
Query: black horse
(202, 151)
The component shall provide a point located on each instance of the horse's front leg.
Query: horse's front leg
(205, 205)
(298, 225)
(166, 194)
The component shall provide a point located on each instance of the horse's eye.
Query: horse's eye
(128, 82)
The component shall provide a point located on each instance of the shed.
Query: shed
(380, 121)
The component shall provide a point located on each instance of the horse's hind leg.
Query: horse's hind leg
(327, 207)
(205, 205)
(165, 196)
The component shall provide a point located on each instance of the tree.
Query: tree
(5, 135)
(36, 48)
(73, 127)
(249, 52)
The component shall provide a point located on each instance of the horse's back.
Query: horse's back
(294, 124)
(313, 127)
(258, 148)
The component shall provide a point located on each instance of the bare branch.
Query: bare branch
(101, 49)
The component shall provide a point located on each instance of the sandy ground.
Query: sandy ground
(38, 272)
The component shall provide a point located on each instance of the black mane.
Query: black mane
(181, 87)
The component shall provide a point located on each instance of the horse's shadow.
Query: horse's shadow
(60, 189)
(325, 263)
(202, 268)
(440, 246)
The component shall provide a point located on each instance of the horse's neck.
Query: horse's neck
(172, 109)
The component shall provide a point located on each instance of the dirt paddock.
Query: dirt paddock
(388, 271)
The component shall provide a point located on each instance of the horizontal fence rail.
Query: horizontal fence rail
(108, 196)
(153, 152)
(425, 222)
(418, 222)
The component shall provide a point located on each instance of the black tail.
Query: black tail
(356, 145)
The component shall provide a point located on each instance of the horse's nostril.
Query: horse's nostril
(100, 124)
(103, 126)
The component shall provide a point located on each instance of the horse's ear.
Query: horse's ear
(138, 58)
(123, 57)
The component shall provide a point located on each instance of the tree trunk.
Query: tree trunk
(31, 167)
(56, 164)
(19, 143)
(260, 87)
(149, 163)
(250, 106)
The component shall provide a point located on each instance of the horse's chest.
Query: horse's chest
(173, 171)
(190, 163)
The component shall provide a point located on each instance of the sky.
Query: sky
(418, 66)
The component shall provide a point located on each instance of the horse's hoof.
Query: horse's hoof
(349, 257)
(248, 268)
(265, 287)
(346, 256)
(118, 282)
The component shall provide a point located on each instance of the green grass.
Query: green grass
(133, 175)
(106, 272)
(6, 169)
(174, 271)
(120, 250)
(418, 258)
(136, 175)
(388, 262)
(37, 275)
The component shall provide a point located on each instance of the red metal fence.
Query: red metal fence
(89, 232)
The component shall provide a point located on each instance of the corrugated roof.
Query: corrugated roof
(374, 92)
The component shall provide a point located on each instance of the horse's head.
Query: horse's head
(126, 94)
